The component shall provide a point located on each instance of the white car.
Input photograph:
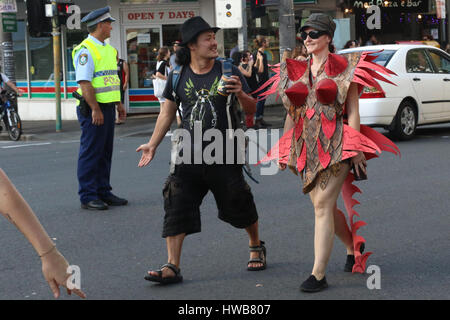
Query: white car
(422, 94)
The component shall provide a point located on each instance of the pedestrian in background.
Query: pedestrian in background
(173, 65)
(248, 70)
(15, 209)
(95, 65)
(372, 40)
(287, 54)
(173, 60)
(262, 69)
(5, 81)
(300, 52)
(162, 69)
(447, 48)
(350, 44)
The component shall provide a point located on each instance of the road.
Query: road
(405, 203)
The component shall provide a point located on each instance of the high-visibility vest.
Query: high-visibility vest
(106, 81)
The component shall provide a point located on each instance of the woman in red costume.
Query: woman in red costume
(323, 138)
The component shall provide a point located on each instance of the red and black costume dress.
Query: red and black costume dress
(320, 139)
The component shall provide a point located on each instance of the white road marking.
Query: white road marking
(27, 145)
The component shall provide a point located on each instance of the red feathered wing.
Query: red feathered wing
(368, 72)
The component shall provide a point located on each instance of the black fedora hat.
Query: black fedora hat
(193, 27)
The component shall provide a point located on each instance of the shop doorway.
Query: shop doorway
(142, 45)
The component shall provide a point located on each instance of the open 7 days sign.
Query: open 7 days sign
(137, 16)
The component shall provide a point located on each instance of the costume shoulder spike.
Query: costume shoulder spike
(274, 81)
(368, 72)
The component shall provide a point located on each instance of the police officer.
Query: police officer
(99, 84)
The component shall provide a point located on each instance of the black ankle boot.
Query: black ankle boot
(312, 285)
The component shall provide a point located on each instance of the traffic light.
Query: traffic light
(62, 9)
(38, 24)
(257, 8)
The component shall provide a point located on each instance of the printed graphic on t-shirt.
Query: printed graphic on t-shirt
(202, 102)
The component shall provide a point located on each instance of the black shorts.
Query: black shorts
(185, 189)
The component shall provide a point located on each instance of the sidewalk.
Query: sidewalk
(140, 124)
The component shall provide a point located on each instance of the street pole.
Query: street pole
(57, 63)
(445, 27)
(287, 25)
(242, 33)
(7, 55)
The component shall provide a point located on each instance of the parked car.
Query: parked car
(422, 94)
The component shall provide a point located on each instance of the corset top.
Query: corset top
(325, 89)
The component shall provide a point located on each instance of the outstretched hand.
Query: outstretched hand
(147, 154)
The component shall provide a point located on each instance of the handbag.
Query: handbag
(158, 87)
(158, 84)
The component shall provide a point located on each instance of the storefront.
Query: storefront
(401, 20)
(142, 27)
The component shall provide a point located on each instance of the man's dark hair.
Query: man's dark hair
(183, 54)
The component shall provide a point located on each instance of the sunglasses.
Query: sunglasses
(312, 34)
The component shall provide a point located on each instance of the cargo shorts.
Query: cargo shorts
(185, 189)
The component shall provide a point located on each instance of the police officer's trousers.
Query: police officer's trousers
(94, 160)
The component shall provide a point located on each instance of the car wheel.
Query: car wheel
(405, 121)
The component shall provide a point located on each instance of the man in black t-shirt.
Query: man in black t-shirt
(204, 107)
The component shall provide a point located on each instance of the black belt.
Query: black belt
(107, 105)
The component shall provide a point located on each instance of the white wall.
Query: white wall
(45, 109)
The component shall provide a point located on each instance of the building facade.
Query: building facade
(143, 26)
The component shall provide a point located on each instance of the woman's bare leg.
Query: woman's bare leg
(324, 202)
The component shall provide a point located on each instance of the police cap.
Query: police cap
(98, 15)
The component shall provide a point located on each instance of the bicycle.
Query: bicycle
(9, 115)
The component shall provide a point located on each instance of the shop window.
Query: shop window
(142, 49)
(41, 56)
(20, 56)
(74, 38)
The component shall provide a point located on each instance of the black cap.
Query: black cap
(193, 27)
(320, 22)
